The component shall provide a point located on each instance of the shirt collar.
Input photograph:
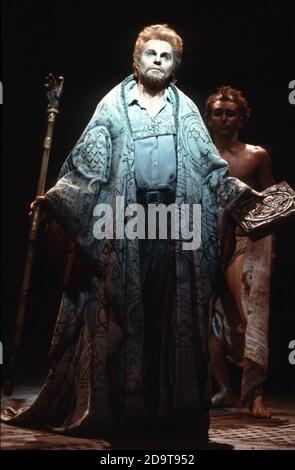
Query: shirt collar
(134, 97)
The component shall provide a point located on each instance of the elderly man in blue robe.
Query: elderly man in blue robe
(130, 347)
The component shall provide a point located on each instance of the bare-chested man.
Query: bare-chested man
(240, 319)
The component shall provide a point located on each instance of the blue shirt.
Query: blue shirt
(155, 155)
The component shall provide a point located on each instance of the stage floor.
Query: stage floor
(230, 429)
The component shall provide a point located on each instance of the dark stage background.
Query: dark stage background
(247, 44)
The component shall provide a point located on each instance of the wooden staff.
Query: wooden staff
(54, 90)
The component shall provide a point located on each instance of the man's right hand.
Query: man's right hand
(40, 202)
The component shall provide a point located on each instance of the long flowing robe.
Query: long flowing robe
(97, 380)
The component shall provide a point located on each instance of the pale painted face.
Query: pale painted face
(156, 62)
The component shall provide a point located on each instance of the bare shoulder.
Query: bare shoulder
(260, 154)
(262, 162)
(256, 150)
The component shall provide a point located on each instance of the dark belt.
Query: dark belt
(162, 196)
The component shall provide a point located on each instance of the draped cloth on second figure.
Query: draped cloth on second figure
(99, 379)
(244, 336)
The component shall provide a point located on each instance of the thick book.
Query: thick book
(259, 216)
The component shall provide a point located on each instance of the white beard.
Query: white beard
(154, 82)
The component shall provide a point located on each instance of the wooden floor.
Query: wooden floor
(231, 429)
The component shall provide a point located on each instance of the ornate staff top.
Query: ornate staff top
(54, 90)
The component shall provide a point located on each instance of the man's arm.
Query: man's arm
(265, 174)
